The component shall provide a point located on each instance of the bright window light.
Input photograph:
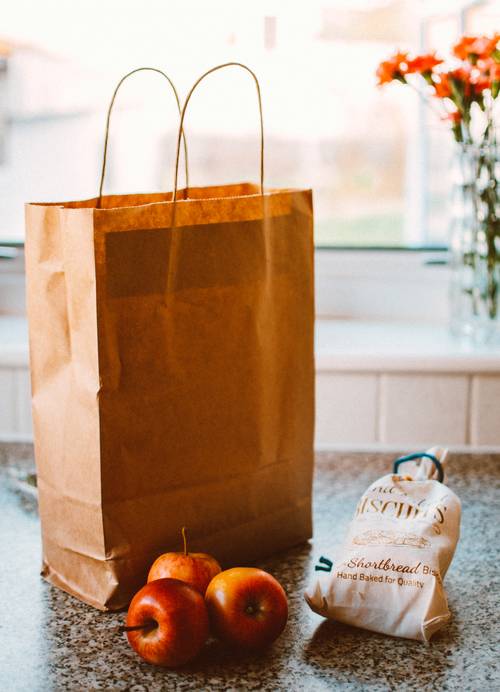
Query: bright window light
(377, 162)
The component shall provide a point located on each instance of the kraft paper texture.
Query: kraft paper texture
(172, 379)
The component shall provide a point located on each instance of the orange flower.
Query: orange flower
(442, 88)
(455, 120)
(495, 79)
(462, 48)
(454, 117)
(480, 82)
(489, 69)
(494, 71)
(473, 47)
(460, 80)
(461, 73)
(394, 68)
(423, 63)
(487, 76)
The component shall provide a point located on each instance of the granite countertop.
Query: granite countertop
(50, 641)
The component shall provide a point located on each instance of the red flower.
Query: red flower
(494, 71)
(462, 74)
(489, 74)
(494, 75)
(394, 68)
(480, 82)
(454, 117)
(442, 88)
(463, 87)
(455, 120)
(487, 77)
(460, 80)
(423, 64)
(462, 49)
(474, 47)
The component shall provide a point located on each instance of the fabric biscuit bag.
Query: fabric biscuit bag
(171, 345)
(388, 575)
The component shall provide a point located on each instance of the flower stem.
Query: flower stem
(426, 100)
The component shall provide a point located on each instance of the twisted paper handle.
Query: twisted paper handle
(105, 155)
(183, 113)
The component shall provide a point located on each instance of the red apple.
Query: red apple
(247, 607)
(196, 569)
(167, 622)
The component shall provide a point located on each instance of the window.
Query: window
(377, 162)
(438, 31)
(3, 102)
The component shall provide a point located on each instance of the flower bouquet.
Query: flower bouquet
(464, 91)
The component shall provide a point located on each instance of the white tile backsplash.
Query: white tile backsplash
(7, 400)
(376, 386)
(346, 411)
(365, 409)
(485, 410)
(423, 409)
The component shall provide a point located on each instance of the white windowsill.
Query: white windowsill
(361, 345)
(341, 345)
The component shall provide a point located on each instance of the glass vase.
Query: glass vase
(475, 244)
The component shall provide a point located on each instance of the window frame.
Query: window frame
(377, 271)
(426, 246)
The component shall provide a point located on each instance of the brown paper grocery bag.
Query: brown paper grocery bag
(172, 370)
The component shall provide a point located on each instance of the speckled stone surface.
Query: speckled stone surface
(50, 641)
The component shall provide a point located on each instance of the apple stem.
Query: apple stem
(183, 531)
(149, 624)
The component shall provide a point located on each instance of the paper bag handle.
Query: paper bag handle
(110, 108)
(183, 113)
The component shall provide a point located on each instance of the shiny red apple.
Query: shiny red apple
(167, 622)
(248, 607)
(196, 569)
